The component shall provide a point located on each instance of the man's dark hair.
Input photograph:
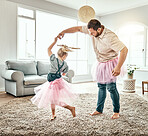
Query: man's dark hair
(94, 23)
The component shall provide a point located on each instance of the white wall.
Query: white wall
(7, 30)
(7, 34)
(114, 21)
(140, 75)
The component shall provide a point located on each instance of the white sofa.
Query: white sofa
(22, 76)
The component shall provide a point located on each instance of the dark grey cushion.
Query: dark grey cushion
(27, 67)
(43, 67)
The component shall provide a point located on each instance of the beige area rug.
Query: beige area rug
(20, 118)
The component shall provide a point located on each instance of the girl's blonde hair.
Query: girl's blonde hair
(61, 52)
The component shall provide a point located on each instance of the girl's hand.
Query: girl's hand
(63, 74)
(51, 46)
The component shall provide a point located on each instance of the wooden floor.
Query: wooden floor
(87, 87)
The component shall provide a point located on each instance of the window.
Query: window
(134, 37)
(26, 34)
(45, 27)
(82, 54)
(25, 12)
(48, 27)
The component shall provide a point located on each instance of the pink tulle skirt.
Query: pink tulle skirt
(57, 92)
(102, 71)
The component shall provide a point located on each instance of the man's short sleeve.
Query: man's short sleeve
(115, 43)
(85, 30)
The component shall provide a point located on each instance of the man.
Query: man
(106, 46)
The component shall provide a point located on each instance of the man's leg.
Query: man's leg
(115, 99)
(101, 99)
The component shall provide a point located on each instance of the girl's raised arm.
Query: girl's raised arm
(51, 46)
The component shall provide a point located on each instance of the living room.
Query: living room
(127, 20)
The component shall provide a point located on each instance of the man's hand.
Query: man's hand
(61, 35)
(116, 71)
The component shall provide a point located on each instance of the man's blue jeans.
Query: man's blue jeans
(111, 87)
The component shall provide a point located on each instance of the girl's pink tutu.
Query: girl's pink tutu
(102, 71)
(56, 92)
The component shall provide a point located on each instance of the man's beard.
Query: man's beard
(97, 34)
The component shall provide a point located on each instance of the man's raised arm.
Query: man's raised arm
(70, 30)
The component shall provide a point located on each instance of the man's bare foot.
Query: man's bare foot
(73, 111)
(53, 117)
(95, 113)
(115, 116)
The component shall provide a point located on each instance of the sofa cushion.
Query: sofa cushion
(43, 67)
(34, 79)
(45, 76)
(27, 67)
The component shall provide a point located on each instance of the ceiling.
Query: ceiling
(102, 7)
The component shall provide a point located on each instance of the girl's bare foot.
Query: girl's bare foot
(95, 113)
(53, 117)
(115, 116)
(73, 111)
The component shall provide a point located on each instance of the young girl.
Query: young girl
(56, 90)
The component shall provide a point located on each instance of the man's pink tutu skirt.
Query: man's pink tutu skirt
(57, 92)
(102, 71)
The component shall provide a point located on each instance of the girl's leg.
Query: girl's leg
(72, 109)
(53, 111)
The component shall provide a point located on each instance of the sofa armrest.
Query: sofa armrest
(70, 75)
(13, 75)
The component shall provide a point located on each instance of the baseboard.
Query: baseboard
(82, 78)
(82, 81)
(2, 89)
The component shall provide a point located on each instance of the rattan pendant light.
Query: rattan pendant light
(86, 13)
